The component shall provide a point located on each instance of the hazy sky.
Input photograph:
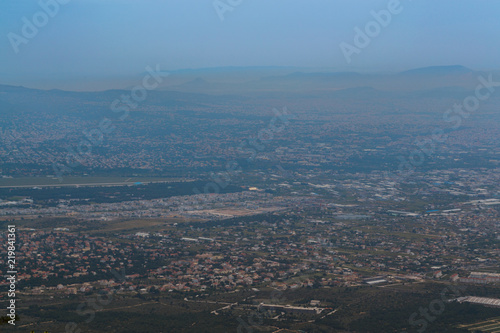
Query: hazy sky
(101, 38)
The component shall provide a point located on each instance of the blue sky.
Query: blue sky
(107, 38)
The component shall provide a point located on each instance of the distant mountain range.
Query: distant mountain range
(438, 70)
(215, 82)
(196, 86)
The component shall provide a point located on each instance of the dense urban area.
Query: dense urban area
(348, 210)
